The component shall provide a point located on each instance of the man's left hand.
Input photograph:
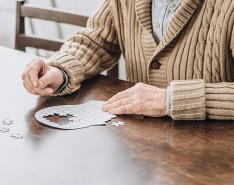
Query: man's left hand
(141, 99)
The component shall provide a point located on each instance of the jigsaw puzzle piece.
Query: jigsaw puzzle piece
(16, 136)
(118, 124)
(3, 129)
(7, 121)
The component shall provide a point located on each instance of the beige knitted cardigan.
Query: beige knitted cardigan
(198, 44)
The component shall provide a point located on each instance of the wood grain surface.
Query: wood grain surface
(146, 151)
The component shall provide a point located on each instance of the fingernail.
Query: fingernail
(41, 84)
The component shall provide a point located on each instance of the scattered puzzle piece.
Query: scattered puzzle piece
(17, 136)
(7, 122)
(6, 129)
(3, 129)
(118, 124)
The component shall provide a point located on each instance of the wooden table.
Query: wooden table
(146, 151)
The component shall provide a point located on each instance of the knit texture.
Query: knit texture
(198, 44)
(220, 101)
(188, 100)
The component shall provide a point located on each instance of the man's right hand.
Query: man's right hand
(41, 79)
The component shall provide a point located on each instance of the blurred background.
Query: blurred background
(46, 28)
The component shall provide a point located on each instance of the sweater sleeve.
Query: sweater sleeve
(89, 51)
(197, 100)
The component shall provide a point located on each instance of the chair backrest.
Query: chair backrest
(22, 40)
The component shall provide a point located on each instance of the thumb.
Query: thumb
(52, 78)
(47, 79)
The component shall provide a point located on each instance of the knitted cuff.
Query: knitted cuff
(72, 68)
(220, 101)
(168, 102)
(188, 100)
(65, 82)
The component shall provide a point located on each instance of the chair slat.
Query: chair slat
(22, 40)
(53, 14)
(39, 43)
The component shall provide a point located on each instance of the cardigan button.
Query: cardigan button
(155, 64)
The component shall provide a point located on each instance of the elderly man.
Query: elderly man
(179, 52)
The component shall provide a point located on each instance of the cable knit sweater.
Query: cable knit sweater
(195, 56)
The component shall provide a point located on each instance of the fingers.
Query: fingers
(52, 80)
(36, 68)
(28, 85)
(47, 79)
(117, 104)
(139, 99)
(32, 71)
(119, 96)
(45, 92)
(123, 109)
(121, 103)
(31, 75)
(35, 90)
(123, 98)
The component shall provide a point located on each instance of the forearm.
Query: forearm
(72, 68)
(90, 51)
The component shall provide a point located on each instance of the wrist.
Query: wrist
(63, 81)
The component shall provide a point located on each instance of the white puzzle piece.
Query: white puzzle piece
(81, 116)
(4, 129)
(118, 124)
(17, 136)
(8, 128)
(7, 122)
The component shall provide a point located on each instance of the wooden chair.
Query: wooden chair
(22, 40)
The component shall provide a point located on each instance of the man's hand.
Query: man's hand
(41, 79)
(141, 99)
